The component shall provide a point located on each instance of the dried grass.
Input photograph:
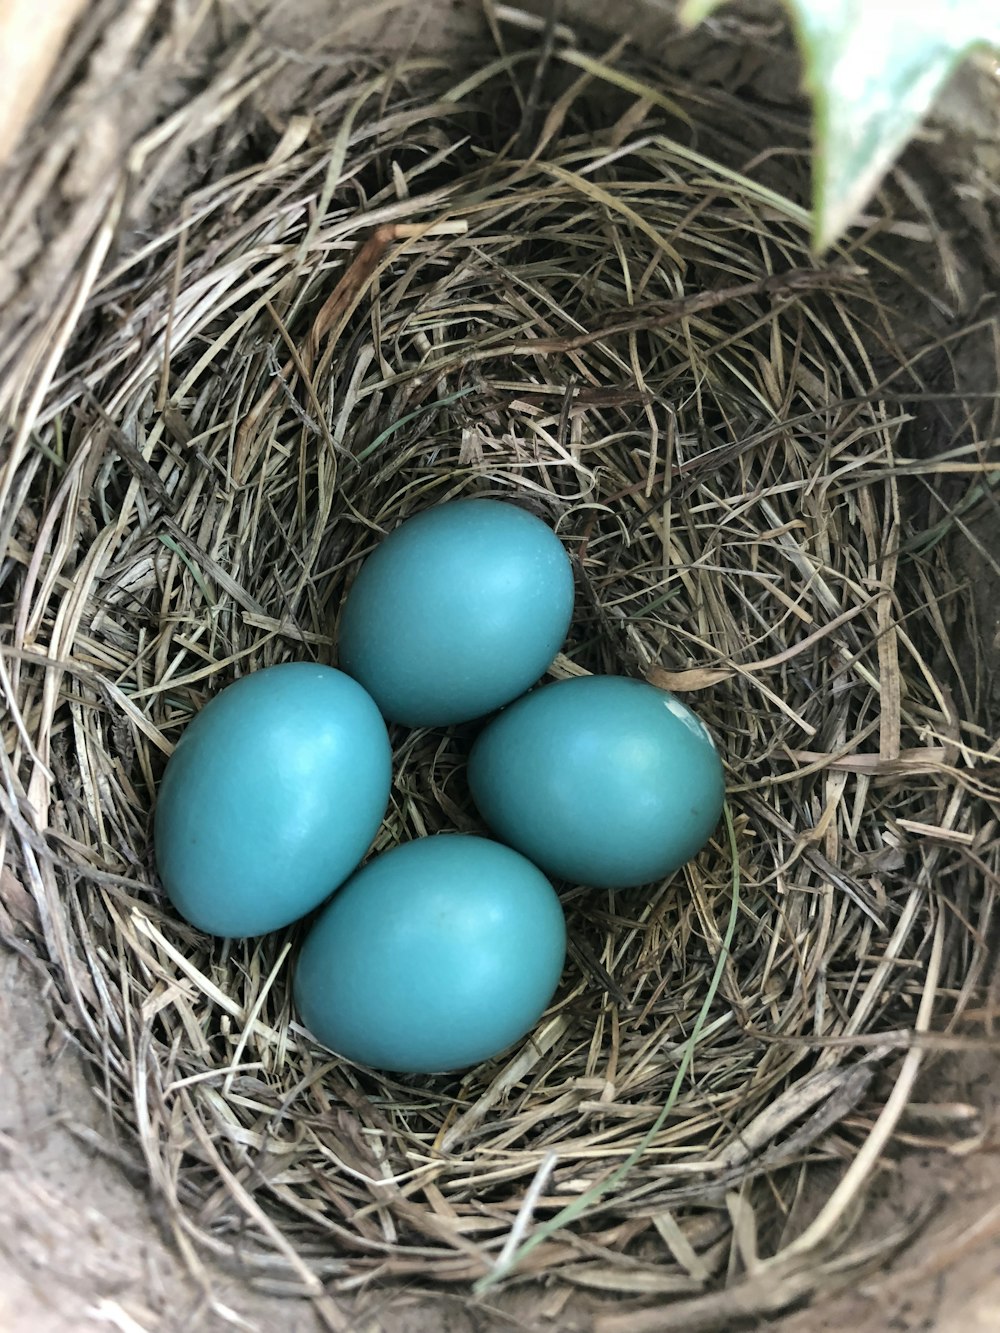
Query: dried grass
(558, 282)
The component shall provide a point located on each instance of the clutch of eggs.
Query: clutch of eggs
(444, 951)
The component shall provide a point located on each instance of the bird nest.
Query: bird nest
(585, 288)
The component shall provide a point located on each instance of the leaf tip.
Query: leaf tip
(692, 12)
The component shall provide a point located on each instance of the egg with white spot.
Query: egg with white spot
(599, 780)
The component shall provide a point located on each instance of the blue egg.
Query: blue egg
(271, 798)
(435, 956)
(600, 780)
(458, 611)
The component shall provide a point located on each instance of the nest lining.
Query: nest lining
(599, 304)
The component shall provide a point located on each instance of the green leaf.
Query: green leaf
(873, 69)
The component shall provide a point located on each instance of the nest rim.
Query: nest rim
(128, 442)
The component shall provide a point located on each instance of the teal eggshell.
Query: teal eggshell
(600, 780)
(458, 611)
(271, 798)
(436, 955)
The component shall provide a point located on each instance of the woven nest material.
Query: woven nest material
(566, 283)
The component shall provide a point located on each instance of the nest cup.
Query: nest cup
(583, 285)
